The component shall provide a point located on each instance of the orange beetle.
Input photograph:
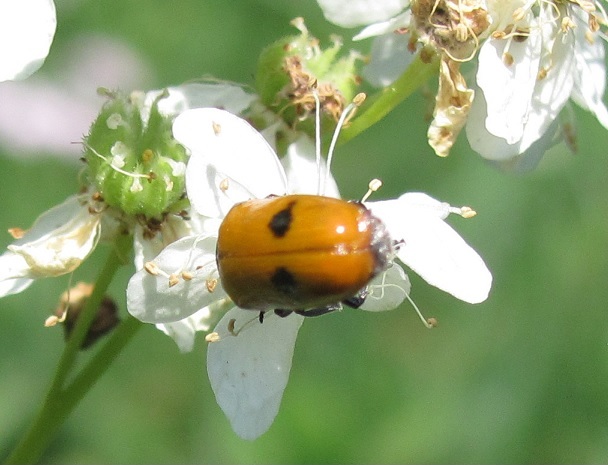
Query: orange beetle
(300, 253)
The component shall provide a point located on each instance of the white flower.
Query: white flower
(58, 242)
(249, 363)
(533, 58)
(27, 28)
(527, 82)
(64, 236)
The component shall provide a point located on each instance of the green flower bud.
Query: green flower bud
(291, 68)
(134, 163)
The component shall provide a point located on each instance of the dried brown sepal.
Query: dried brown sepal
(301, 88)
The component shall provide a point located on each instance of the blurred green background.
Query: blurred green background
(520, 378)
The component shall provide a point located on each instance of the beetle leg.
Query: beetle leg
(282, 313)
(357, 300)
(319, 311)
(354, 302)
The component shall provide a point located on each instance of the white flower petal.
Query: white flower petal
(27, 28)
(350, 13)
(143, 249)
(388, 290)
(229, 97)
(520, 106)
(226, 149)
(249, 372)
(13, 272)
(434, 250)
(60, 239)
(481, 140)
(146, 247)
(390, 57)
(552, 92)
(303, 174)
(411, 204)
(508, 89)
(184, 331)
(14, 286)
(386, 27)
(531, 157)
(590, 75)
(151, 299)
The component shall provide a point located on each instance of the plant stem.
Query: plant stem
(72, 348)
(59, 401)
(379, 105)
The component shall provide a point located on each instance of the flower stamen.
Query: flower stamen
(211, 284)
(186, 273)
(373, 186)
(344, 117)
(383, 286)
(17, 233)
(430, 323)
(231, 329)
(465, 212)
(53, 320)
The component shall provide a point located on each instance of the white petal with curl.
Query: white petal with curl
(60, 239)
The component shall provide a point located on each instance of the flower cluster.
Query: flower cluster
(176, 286)
(165, 167)
(533, 57)
(126, 143)
(249, 370)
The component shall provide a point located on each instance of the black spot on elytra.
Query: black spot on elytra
(281, 221)
(283, 281)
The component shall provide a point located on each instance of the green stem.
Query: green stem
(102, 359)
(59, 402)
(114, 261)
(379, 105)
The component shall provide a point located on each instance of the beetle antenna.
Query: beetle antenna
(346, 114)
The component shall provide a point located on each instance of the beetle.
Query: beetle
(300, 253)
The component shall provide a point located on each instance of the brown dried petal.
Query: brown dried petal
(452, 107)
